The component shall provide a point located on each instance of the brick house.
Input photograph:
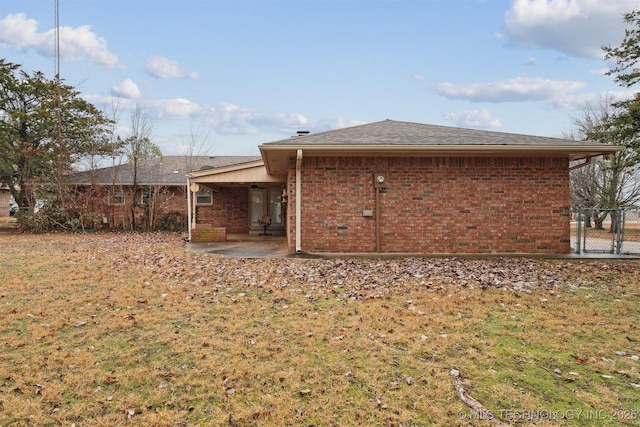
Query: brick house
(104, 197)
(398, 187)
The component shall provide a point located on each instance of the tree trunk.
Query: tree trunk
(598, 219)
(615, 222)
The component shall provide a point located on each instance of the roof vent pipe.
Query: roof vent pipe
(303, 132)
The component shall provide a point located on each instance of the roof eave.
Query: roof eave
(274, 155)
(224, 169)
(125, 184)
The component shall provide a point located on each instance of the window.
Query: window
(147, 197)
(275, 206)
(256, 205)
(118, 196)
(204, 196)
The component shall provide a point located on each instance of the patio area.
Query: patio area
(245, 246)
(253, 246)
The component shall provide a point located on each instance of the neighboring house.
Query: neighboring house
(105, 197)
(398, 187)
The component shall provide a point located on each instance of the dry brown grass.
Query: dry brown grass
(118, 329)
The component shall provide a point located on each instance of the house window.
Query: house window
(118, 196)
(204, 196)
(147, 197)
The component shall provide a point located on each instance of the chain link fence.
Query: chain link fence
(606, 231)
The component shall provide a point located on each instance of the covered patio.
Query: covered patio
(239, 200)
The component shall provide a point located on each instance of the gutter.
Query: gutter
(299, 201)
(448, 149)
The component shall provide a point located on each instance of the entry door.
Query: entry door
(266, 201)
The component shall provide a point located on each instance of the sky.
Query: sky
(224, 76)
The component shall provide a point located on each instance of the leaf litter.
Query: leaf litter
(342, 314)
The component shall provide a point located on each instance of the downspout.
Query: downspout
(299, 202)
(189, 207)
(586, 162)
(377, 207)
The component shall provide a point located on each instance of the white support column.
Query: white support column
(189, 207)
(299, 202)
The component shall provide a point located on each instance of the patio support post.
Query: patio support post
(189, 207)
(298, 201)
(578, 230)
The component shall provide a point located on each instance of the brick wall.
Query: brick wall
(207, 233)
(96, 202)
(434, 205)
(230, 209)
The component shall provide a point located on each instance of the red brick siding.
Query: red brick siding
(230, 209)
(98, 200)
(434, 205)
(206, 233)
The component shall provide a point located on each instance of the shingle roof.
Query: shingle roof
(391, 132)
(166, 170)
(393, 138)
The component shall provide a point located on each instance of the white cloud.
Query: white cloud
(163, 68)
(512, 90)
(331, 124)
(418, 77)
(231, 119)
(127, 89)
(177, 107)
(574, 27)
(478, 119)
(530, 62)
(224, 118)
(575, 102)
(76, 44)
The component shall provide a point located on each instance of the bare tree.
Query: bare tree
(139, 147)
(197, 145)
(604, 185)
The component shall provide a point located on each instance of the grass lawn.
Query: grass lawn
(122, 329)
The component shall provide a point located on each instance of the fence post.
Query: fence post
(621, 221)
(579, 226)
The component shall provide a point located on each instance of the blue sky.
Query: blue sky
(238, 73)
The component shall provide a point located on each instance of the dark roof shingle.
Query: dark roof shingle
(166, 170)
(391, 132)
